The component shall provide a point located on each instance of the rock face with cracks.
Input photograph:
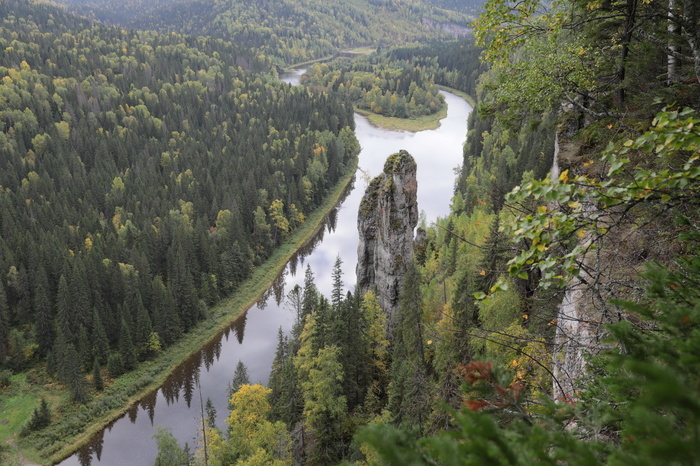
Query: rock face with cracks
(388, 215)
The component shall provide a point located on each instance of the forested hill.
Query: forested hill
(290, 31)
(141, 177)
(469, 6)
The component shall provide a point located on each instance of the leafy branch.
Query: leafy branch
(574, 213)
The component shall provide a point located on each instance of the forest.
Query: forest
(397, 89)
(474, 372)
(401, 81)
(143, 176)
(552, 317)
(286, 31)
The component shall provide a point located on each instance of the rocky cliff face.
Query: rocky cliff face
(388, 215)
(577, 317)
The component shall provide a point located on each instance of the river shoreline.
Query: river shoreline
(252, 339)
(222, 316)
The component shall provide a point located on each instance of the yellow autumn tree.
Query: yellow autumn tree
(279, 221)
(253, 439)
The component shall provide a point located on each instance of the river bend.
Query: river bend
(253, 337)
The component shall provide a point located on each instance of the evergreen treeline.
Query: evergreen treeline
(468, 376)
(493, 273)
(470, 6)
(285, 30)
(401, 82)
(451, 63)
(329, 377)
(143, 175)
(396, 89)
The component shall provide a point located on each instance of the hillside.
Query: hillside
(142, 177)
(552, 318)
(561, 295)
(288, 31)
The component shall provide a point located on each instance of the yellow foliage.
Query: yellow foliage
(249, 405)
(63, 129)
(254, 439)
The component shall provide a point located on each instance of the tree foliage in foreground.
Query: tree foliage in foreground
(642, 406)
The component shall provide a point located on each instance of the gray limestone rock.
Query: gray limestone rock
(388, 215)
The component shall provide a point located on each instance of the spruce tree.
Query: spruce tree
(97, 380)
(4, 324)
(310, 298)
(286, 400)
(410, 389)
(65, 322)
(240, 378)
(115, 365)
(80, 294)
(127, 350)
(376, 344)
(73, 374)
(166, 321)
(99, 338)
(41, 417)
(143, 329)
(85, 349)
(211, 414)
(44, 326)
(337, 277)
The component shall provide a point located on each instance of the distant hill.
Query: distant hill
(467, 6)
(286, 30)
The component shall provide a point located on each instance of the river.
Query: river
(252, 339)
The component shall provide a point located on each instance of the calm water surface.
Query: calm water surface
(253, 338)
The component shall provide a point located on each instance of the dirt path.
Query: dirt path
(17, 459)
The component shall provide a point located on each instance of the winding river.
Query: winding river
(252, 339)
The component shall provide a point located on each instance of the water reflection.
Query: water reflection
(278, 287)
(239, 328)
(128, 440)
(148, 404)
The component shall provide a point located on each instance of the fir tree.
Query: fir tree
(99, 338)
(337, 277)
(127, 351)
(43, 311)
(4, 325)
(97, 380)
(85, 349)
(240, 378)
(65, 322)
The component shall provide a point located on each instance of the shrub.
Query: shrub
(5, 378)
(40, 419)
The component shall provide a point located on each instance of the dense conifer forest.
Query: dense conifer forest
(552, 317)
(143, 176)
